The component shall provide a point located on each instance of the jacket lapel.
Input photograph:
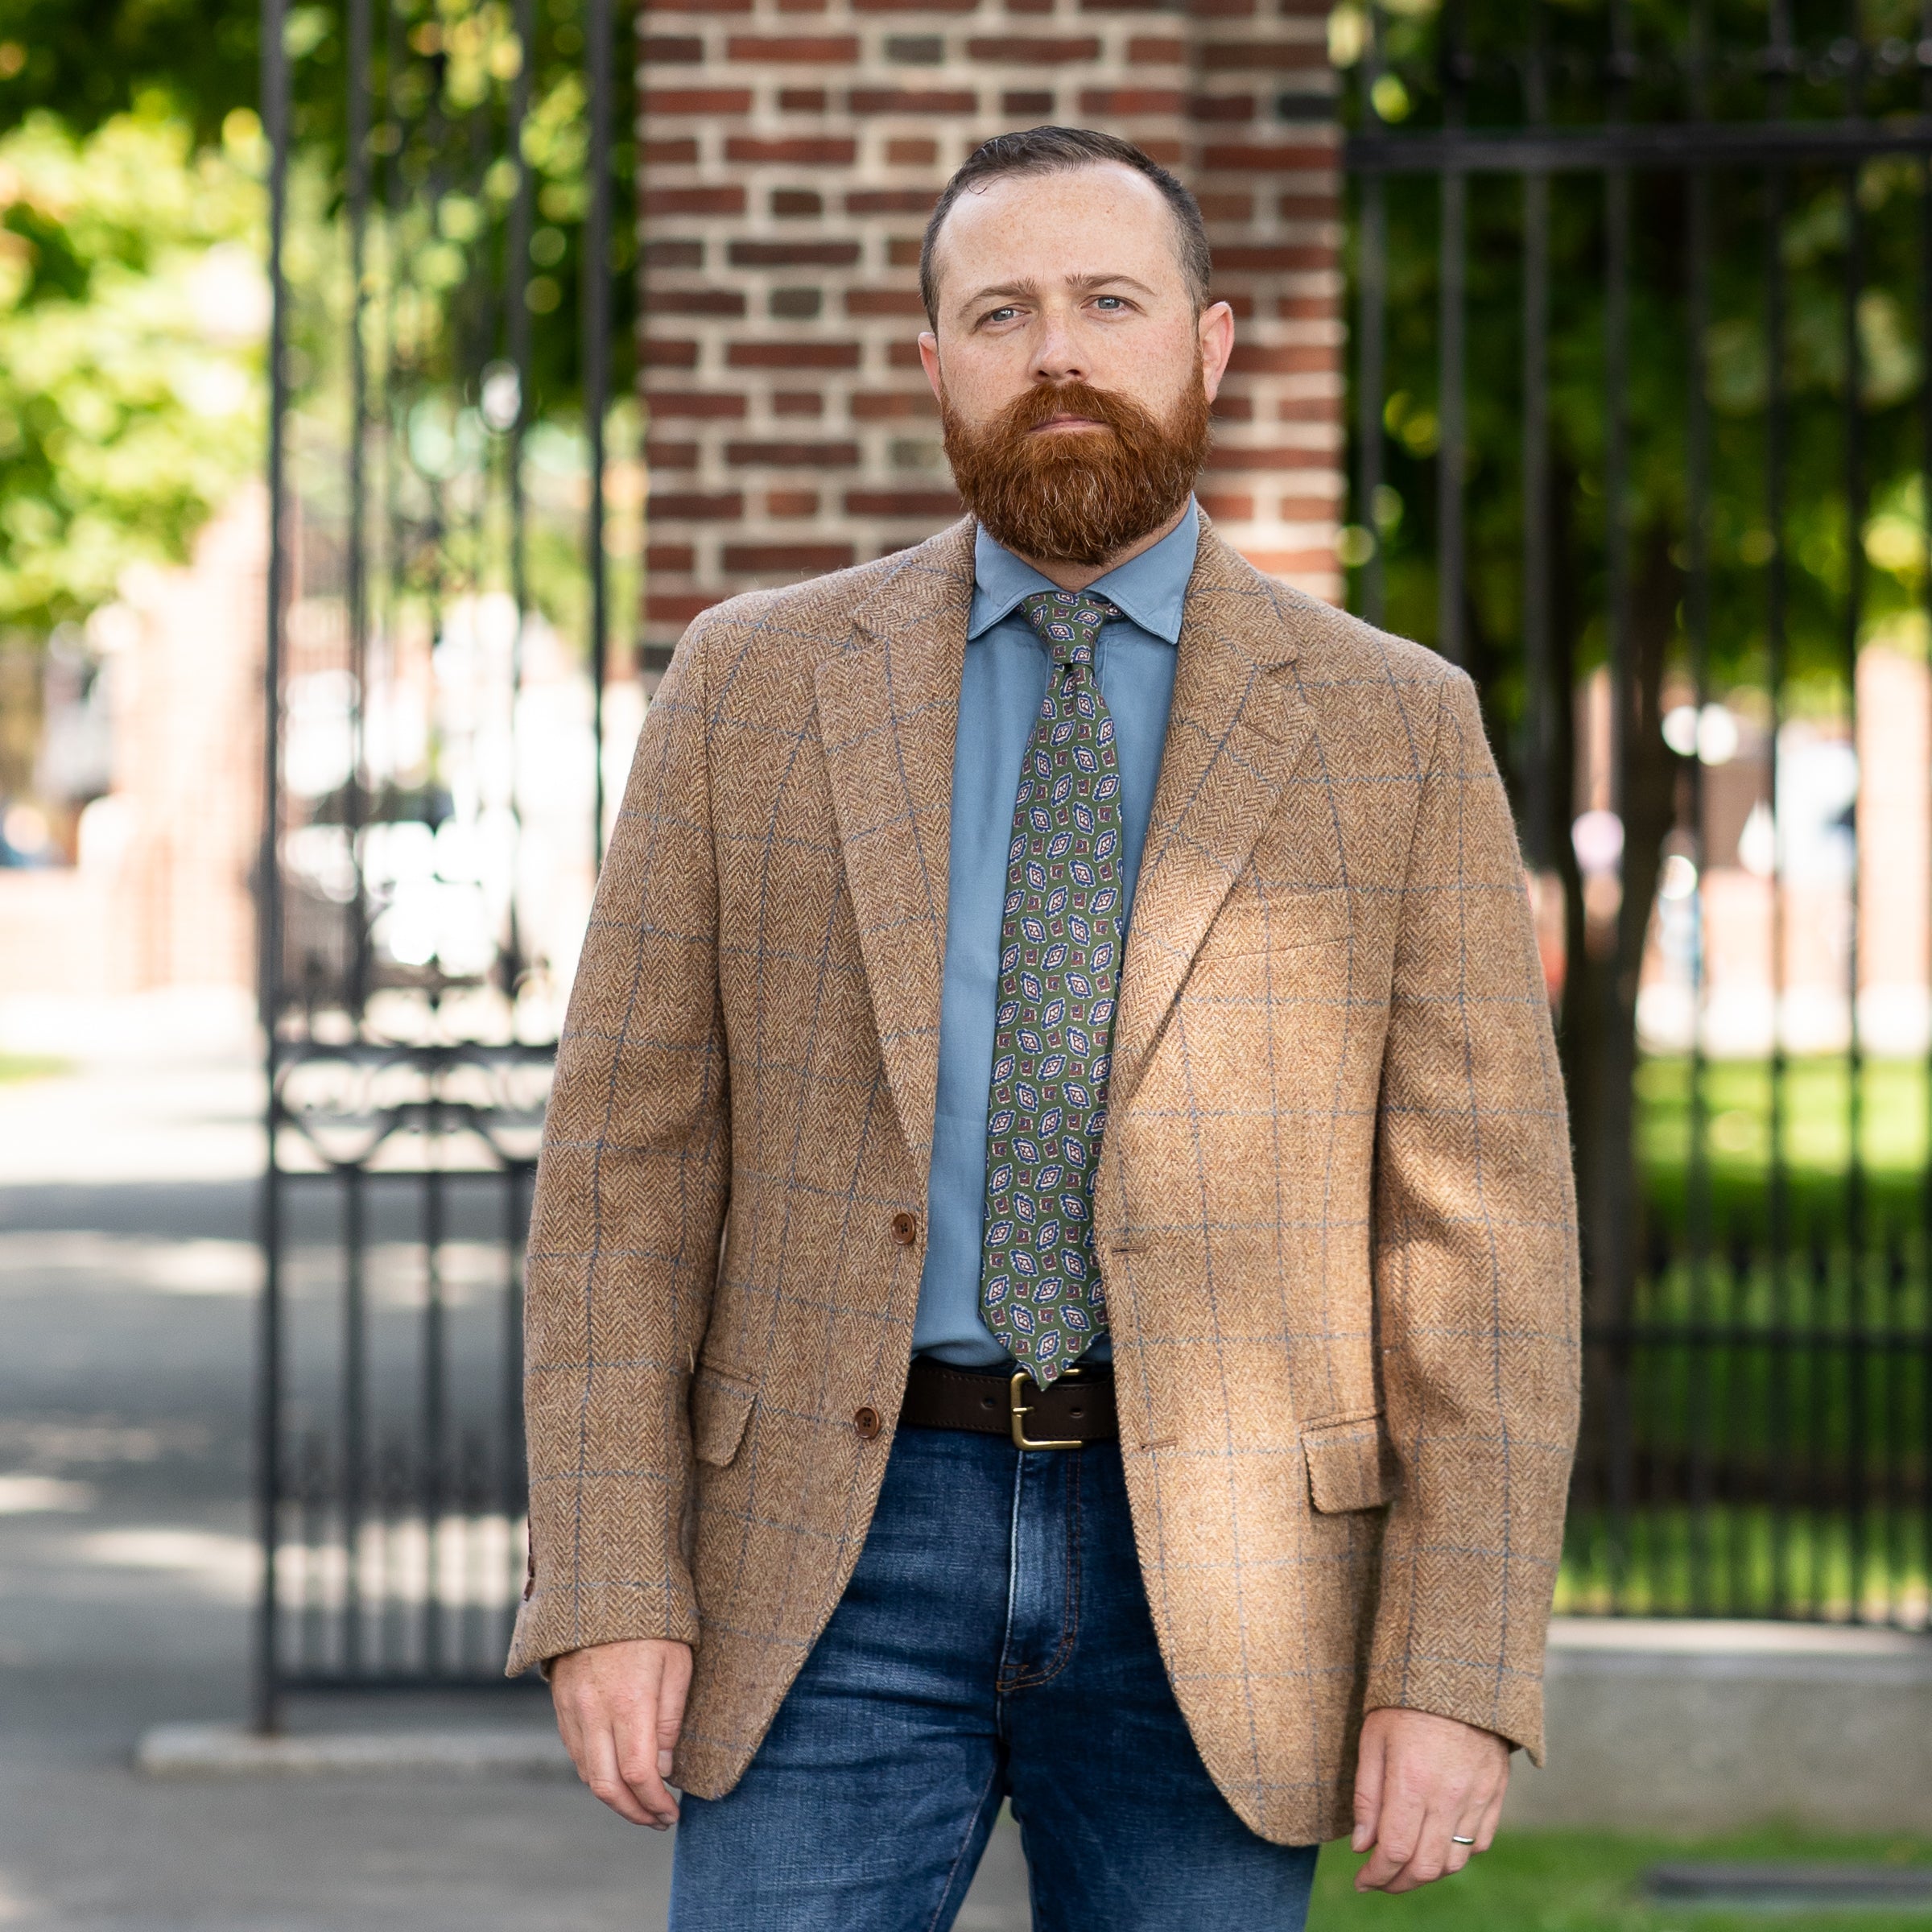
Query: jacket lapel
(1235, 732)
(888, 718)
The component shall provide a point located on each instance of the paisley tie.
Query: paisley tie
(1060, 945)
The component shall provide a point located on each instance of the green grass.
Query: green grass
(1591, 1881)
(1894, 1106)
(30, 1067)
(1734, 1562)
(1818, 1093)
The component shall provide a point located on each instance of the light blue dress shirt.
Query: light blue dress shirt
(1000, 689)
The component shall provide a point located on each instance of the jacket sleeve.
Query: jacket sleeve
(630, 1199)
(1477, 1283)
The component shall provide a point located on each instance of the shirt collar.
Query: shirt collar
(1151, 588)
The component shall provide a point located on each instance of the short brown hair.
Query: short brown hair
(1053, 150)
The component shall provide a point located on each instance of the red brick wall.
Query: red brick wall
(790, 151)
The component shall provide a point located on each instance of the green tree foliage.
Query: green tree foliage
(132, 309)
(1838, 251)
(88, 60)
(443, 81)
(1812, 245)
(132, 229)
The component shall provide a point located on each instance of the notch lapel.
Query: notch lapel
(1235, 732)
(888, 718)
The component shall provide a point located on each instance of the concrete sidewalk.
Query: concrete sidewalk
(127, 1566)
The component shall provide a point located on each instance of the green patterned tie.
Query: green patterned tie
(1059, 965)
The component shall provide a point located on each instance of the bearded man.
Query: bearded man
(1053, 1278)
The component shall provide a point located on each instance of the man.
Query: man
(1053, 1274)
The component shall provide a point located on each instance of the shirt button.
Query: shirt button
(905, 1228)
(865, 1423)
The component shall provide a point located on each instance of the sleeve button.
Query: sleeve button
(905, 1228)
(865, 1423)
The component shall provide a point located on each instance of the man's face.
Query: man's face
(1073, 373)
(1073, 276)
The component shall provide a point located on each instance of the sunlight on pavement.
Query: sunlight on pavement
(166, 1086)
(224, 1568)
(125, 1262)
(31, 1494)
(13, 1905)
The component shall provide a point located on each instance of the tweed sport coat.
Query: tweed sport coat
(1334, 1214)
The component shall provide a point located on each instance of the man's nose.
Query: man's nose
(1056, 355)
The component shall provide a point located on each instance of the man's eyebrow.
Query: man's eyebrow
(1080, 284)
(999, 290)
(1112, 279)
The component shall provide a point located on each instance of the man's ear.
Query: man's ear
(929, 360)
(1217, 345)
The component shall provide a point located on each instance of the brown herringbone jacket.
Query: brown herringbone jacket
(1334, 1211)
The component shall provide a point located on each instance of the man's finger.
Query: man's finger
(1468, 1826)
(1429, 1857)
(598, 1768)
(1398, 1826)
(671, 1693)
(635, 1720)
(1492, 1819)
(1370, 1765)
(637, 1759)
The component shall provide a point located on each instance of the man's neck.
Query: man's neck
(1077, 577)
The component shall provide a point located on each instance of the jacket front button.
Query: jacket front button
(905, 1228)
(866, 1422)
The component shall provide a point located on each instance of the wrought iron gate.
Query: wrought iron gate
(1642, 429)
(1643, 316)
(438, 736)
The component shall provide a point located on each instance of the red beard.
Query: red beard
(1078, 496)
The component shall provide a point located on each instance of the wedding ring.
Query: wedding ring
(1454, 1840)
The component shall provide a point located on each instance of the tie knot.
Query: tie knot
(1067, 622)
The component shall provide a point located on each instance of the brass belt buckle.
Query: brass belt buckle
(1019, 1410)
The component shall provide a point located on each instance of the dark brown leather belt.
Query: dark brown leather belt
(1076, 1410)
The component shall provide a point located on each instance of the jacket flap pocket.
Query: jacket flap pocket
(720, 1405)
(1348, 1467)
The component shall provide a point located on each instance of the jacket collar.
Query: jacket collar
(1151, 588)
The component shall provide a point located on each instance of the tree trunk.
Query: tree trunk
(1598, 1019)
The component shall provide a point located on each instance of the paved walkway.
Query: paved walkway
(125, 1565)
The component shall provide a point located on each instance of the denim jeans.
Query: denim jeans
(994, 1643)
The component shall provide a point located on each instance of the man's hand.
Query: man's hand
(1421, 1782)
(619, 1707)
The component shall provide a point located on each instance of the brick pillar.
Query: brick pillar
(1263, 160)
(791, 149)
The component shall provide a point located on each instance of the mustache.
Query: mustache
(1041, 404)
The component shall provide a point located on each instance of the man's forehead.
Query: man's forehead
(1019, 222)
(1000, 202)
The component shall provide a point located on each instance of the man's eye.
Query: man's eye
(1108, 302)
(1002, 314)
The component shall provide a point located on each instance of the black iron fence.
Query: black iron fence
(446, 271)
(399, 1203)
(1759, 1432)
(1642, 427)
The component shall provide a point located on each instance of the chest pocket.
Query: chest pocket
(1283, 921)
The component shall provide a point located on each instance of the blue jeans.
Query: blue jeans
(994, 1643)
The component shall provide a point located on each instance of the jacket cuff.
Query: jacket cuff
(1486, 1696)
(554, 1622)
